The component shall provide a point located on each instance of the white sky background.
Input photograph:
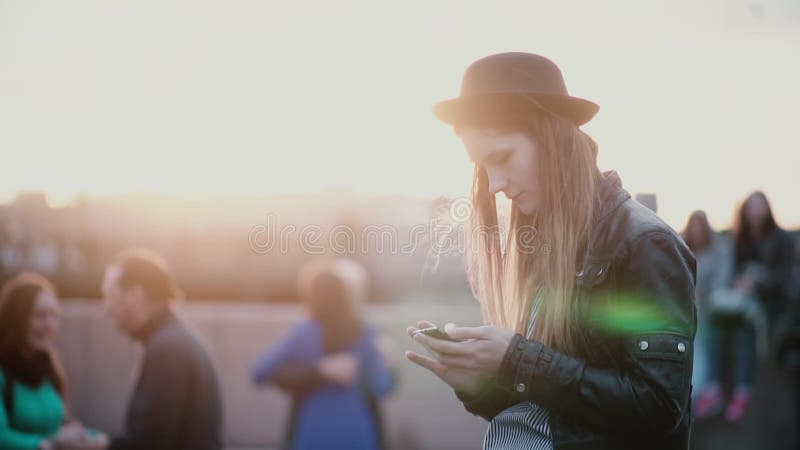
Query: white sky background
(699, 102)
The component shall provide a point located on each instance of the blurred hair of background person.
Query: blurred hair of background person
(713, 254)
(176, 402)
(330, 363)
(764, 255)
(34, 413)
(762, 267)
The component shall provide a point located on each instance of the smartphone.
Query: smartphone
(435, 333)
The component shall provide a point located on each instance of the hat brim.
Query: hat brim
(468, 109)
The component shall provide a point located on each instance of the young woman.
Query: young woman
(588, 305)
(763, 255)
(714, 271)
(330, 363)
(33, 413)
(762, 267)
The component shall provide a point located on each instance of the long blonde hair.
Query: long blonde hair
(540, 250)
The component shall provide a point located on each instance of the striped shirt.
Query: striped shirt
(524, 426)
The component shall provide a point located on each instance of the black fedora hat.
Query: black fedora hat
(512, 83)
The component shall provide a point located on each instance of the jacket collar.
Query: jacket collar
(612, 195)
(155, 324)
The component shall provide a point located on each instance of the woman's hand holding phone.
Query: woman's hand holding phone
(434, 332)
(480, 349)
(473, 353)
(465, 381)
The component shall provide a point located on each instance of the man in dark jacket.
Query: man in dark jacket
(176, 401)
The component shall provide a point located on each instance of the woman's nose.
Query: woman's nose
(497, 182)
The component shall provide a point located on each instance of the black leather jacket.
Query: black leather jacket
(628, 385)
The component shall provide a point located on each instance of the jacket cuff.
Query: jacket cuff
(487, 402)
(471, 400)
(520, 364)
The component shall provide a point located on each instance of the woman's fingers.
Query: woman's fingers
(464, 363)
(444, 347)
(425, 324)
(465, 333)
(428, 363)
(431, 351)
(420, 324)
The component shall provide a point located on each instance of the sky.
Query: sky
(245, 98)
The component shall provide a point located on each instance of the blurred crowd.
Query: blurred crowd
(333, 364)
(748, 306)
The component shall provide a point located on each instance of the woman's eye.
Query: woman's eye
(502, 159)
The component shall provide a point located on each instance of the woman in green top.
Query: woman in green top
(33, 413)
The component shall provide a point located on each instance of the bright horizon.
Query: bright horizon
(221, 99)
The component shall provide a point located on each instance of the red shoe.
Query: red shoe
(738, 406)
(709, 403)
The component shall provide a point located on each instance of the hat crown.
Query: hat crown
(514, 72)
(513, 84)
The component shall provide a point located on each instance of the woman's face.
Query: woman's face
(511, 161)
(755, 210)
(696, 231)
(44, 322)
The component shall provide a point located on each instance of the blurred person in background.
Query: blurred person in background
(588, 305)
(34, 412)
(176, 401)
(788, 353)
(763, 255)
(714, 270)
(743, 315)
(787, 337)
(330, 363)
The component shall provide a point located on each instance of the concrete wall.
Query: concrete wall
(422, 413)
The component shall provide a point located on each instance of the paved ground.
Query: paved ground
(769, 424)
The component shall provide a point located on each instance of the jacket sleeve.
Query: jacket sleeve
(656, 320)
(776, 283)
(722, 272)
(717, 270)
(280, 366)
(489, 402)
(297, 378)
(276, 364)
(375, 375)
